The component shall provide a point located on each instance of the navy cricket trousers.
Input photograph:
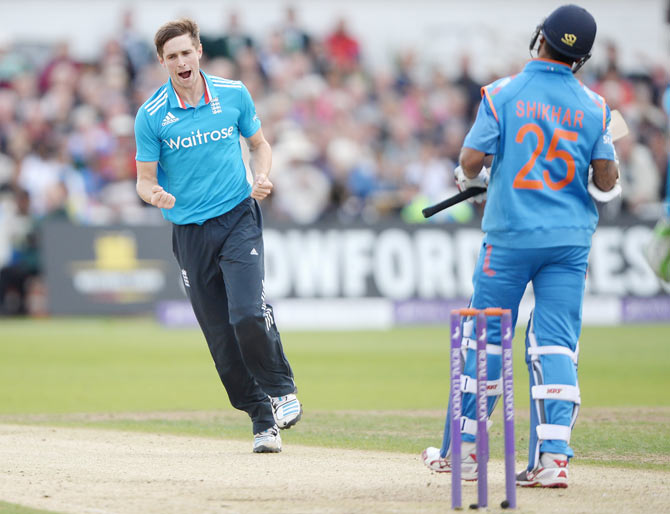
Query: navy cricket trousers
(222, 268)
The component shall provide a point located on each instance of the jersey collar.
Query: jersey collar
(175, 99)
(549, 65)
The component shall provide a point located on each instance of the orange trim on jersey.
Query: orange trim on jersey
(493, 109)
(601, 105)
(552, 61)
(487, 262)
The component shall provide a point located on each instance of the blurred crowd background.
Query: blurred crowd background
(351, 143)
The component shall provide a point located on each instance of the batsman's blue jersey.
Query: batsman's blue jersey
(198, 147)
(544, 128)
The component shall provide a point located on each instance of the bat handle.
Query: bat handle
(457, 198)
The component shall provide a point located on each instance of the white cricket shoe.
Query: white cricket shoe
(286, 410)
(268, 441)
(551, 472)
(431, 458)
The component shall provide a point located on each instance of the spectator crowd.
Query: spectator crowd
(350, 143)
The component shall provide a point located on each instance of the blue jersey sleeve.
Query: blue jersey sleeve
(485, 132)
(146, 140)
(249, 122)
(604, 147)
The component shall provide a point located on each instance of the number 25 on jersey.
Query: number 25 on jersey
(520, 180)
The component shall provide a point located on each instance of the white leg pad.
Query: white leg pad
(560, 432)
(469, 426)
(469, 385)
(471, 344)
(556, 392)
(536, 351)
(467, 328)
(541, 391)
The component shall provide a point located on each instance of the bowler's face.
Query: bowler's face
(181, 58)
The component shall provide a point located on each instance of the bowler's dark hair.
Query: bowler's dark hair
(174, 29)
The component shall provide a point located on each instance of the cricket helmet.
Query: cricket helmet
(570, 30)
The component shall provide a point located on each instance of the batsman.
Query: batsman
(547, 140)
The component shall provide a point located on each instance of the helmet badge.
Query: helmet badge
(569, 39)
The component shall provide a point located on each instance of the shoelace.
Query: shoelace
(273, 431)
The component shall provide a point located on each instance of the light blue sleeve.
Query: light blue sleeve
(249, 122)
(146, 139)
(604, 147)
(485, 132)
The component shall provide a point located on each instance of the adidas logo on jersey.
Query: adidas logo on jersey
(253, 252)
(169, 118)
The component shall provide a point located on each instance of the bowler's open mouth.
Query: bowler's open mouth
(185, 74)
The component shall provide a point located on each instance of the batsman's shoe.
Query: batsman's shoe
(287, 410)
(551, 472)
(431, 458)
(268, 441)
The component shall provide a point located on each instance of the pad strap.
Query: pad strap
(559, 432)
(467, 328)
(469, 426)
(556, 392)
(536, 351)
(491, 349)
(469, 385)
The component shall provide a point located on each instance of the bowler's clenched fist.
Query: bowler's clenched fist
(161, 198)
(261, 188)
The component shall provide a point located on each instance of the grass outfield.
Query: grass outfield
(10, 508)
(383, 390)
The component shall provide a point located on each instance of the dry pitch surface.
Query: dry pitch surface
(103, 472)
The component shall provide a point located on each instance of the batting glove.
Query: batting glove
(603, 196)
(481, 180)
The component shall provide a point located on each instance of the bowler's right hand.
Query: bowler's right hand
(161, 198)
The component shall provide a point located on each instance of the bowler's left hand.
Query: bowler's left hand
(262, 187)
